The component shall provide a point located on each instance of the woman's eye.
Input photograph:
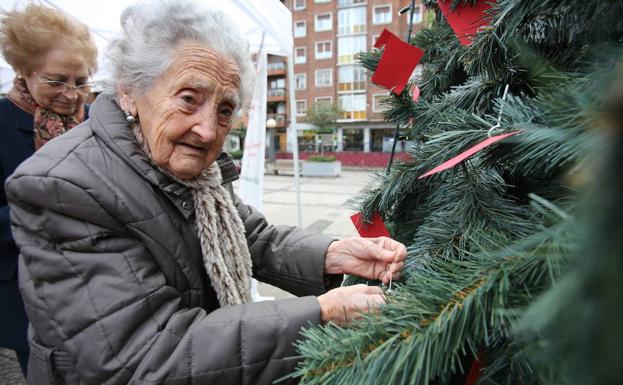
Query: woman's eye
(226, 111)
(189, 99)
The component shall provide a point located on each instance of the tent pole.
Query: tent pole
(294, 133)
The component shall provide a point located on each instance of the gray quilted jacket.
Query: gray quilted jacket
(112, 277)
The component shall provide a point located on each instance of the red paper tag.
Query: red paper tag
(373, 229)
(397, 62)
(415, 93)
(383, 38)
(474, 370)
(465, 20)
(466, 154)
(474, 373)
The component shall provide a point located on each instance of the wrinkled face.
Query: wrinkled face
(187, 113)
(62, 63)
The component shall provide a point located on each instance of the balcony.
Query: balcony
(281, 119)
(276, 95)
(276, 69)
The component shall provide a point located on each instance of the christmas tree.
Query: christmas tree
(497, 244)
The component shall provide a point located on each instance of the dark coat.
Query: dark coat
(112, 275)
(16, 145)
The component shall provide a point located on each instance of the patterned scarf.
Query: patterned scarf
(47, 124)
(226, 256)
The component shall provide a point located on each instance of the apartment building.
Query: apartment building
(327, 36)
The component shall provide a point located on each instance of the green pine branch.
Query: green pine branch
(437, 316)
(490, 241)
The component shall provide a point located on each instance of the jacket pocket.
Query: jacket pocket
(49, 366)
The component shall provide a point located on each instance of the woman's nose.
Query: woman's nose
(71, 94)
(205, 130)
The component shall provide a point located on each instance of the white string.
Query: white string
(499, 122)
(493, 128)
(391, 275)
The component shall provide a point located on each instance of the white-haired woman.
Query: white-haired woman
(137, 257)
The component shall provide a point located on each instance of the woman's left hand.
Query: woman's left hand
(371, 258)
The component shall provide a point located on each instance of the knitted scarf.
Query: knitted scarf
(226, 256)
(47, 124)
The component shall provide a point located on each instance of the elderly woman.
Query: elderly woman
(136, 255)
(53, 57)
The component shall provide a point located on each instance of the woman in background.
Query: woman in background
(53, 56)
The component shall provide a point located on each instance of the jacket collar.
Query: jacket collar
(109, 124)
(23, 120)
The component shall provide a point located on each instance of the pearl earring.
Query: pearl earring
(129, 118)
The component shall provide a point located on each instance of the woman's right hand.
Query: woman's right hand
(344, 304)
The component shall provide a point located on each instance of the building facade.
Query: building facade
(327, 36)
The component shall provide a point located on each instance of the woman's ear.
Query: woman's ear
(126, 102)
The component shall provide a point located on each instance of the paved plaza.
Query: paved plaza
(324, 201)
(325, 207)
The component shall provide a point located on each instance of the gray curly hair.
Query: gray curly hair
(151, 31)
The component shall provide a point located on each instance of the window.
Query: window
(300, 81)
(383, 14)
(300, 56)
(377, 106)
(300, 28)
(277, 83)
(353, 106)
(299, 4)
(323, 100)
(324, 77)
(417, 14)
(351, 78)
(347, 47)
(351, 21)
(324, 50)
(301, 107)
(324, 22)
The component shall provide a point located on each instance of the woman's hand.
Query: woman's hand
(347, 303)
(371, 258)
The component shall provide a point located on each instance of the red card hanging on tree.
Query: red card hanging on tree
(466, 154)
(397, 62)
(383, 38)
(465, 19)
(415, 93)
(474, 371)
(373, 229)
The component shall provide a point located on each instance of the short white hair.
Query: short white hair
(151, 32)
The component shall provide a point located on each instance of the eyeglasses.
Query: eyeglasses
(82, 89)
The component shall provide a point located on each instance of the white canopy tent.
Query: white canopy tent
(266, 23)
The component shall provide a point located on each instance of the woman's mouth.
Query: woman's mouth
(193, 148)
(66, 105)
